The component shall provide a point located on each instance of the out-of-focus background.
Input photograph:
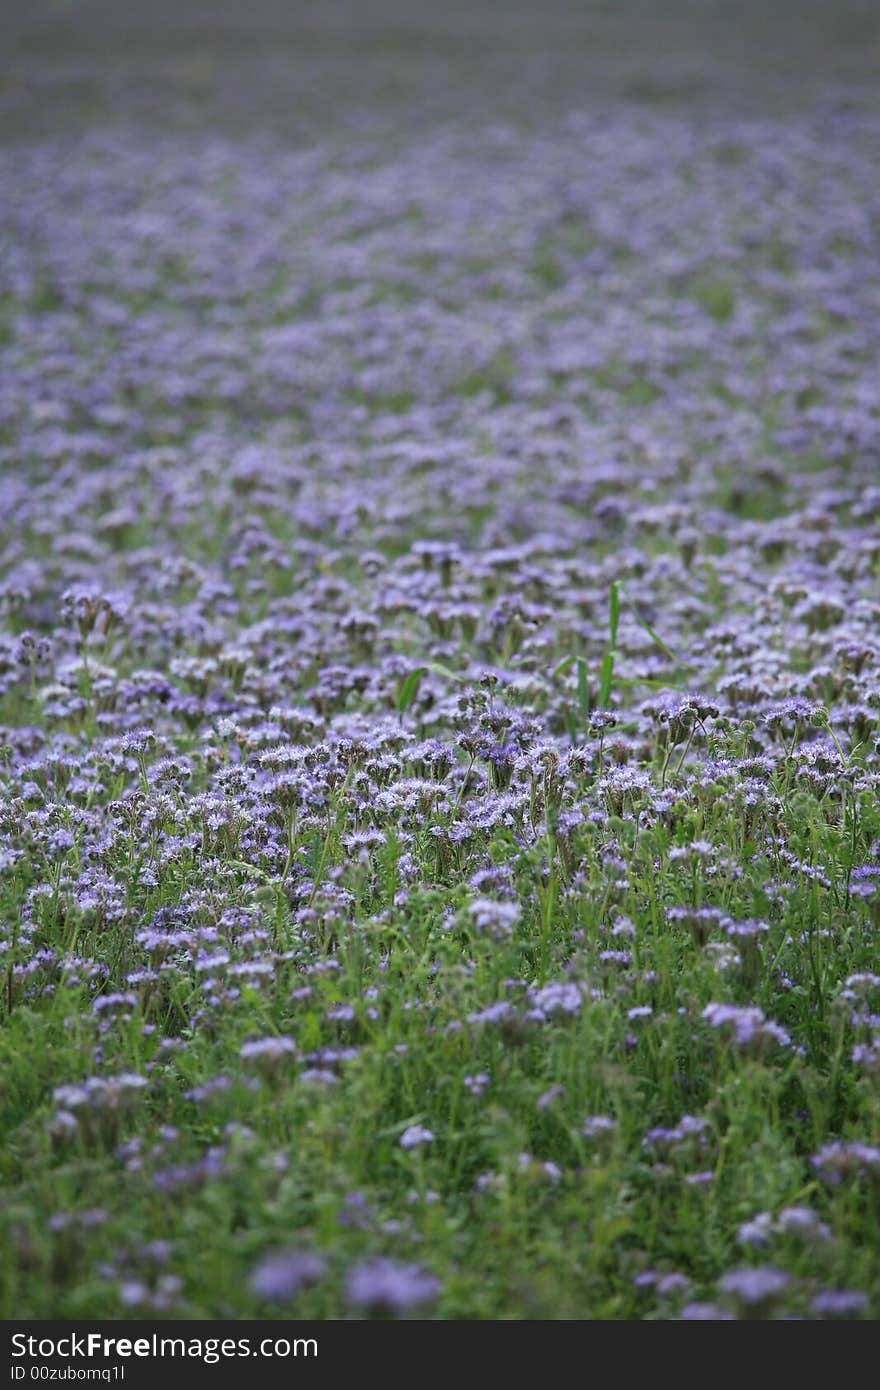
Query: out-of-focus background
(304, 69)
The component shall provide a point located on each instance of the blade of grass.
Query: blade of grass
(410, 686)
(614, 612)
(617, 588)
(606, 679)
(582, 687)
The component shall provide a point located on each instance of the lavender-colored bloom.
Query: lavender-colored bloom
(101, 1092)
(748, 1026)
(278, 1278)
(691, 1129)
(558, 998)
(802, 1221)
(496, 919)
(477, 1084)
(704, 1312)
(268, 1054)
(415, 1137)
(383, 1287)
(356, 1212)
(755, 1289)
(596, 1125)
(319, 1076)
(340, 1013)
(840, 1303)
(672, 1285)
(757, 1231)
(837, 1161)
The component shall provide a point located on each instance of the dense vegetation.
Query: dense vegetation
(440, 700)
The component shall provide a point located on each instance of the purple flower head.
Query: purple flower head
(495, 919)
(279, 1278)
(838, 1160)
(415, 1137)
(755, 1291)
(268, 1054)
(840, 1303)
(757, 1231)
(477, 1084)
(550, 1097)
(383, 1287)
(748, 1026)
(595, 1126)
(565, 997)
(705, 1312)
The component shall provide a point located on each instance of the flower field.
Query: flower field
(440, 712)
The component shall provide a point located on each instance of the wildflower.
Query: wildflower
(837, 1161)
(755, 1291)
(278, 1278)
(557, 998)
(839, 1303)
(802, 1221)
(497, 919)
(748, 1026)
(268, 1054)
(383, 1287)
(596, 1125)
(477, 1084)
(757, 1231)
(415, 1137)
(704, 1312)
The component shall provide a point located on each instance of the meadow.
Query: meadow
(439, 675)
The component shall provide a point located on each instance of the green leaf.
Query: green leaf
(564, 665)
(643, 623)
(606, 677)
(410, 689)
(582, 688)
(614, 612)
(445, 671)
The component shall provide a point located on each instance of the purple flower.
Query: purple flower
(268, 1054)
(382, 1287)
(704, 1312)
(748, 1026)
(754, 1291)
(839, 1303)
(415, 1136)
(558, 998)
(596, 1125)
(672, 1285)
(836, 1161)
(279, 1278)
(495, 919)
(477, 1084)
(757, 1231)
(550, 1097)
